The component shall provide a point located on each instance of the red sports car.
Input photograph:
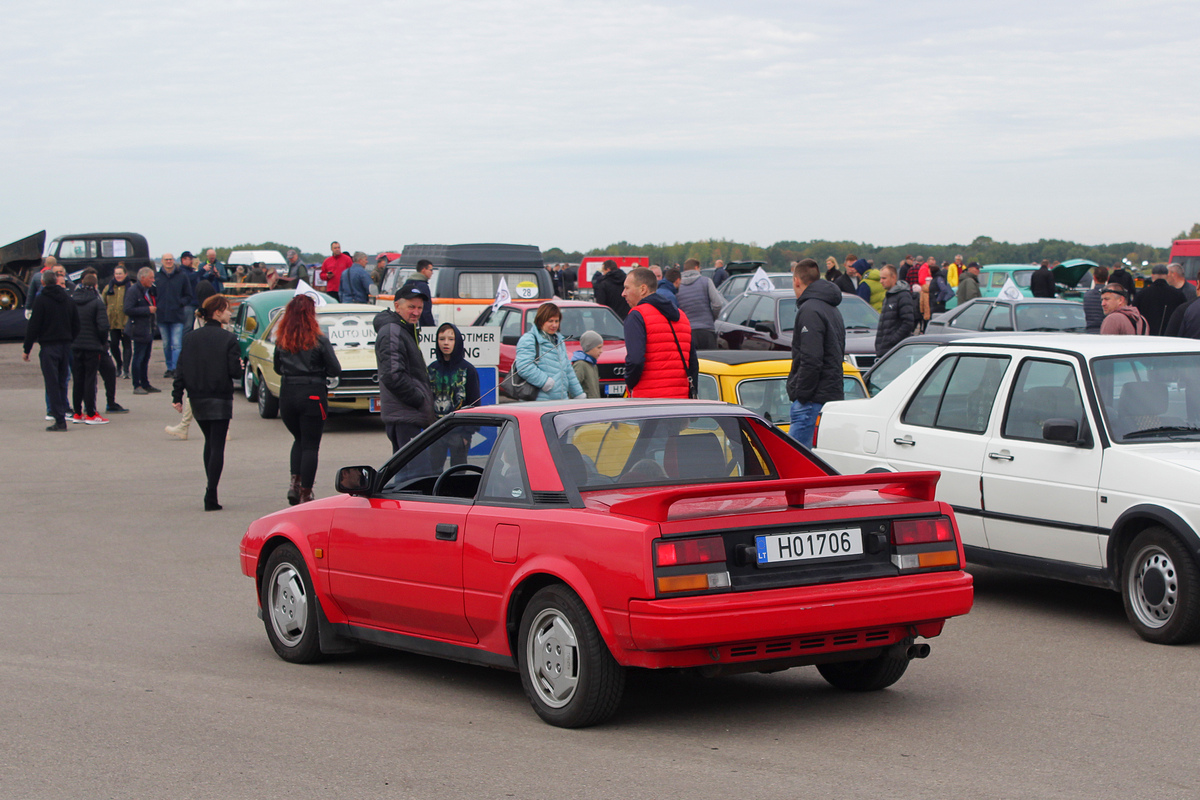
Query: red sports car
(517, 317)
(572, 540)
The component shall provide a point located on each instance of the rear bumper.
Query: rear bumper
(693, 631)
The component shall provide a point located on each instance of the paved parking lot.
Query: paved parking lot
(133, 665)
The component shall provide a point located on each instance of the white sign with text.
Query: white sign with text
(482, 344)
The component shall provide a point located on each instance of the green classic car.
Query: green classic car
(351, 330)
(251, 318)
(1067, 275)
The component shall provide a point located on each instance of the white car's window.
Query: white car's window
(1043, 390)
(1151, 398)
(959, 394)
(971, 316)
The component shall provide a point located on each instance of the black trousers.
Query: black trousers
(121, 347)
(55, 359)
(399, 433)
(303, 411)
(85, 364)
(108, 374)
(704, 339)
(214, 431)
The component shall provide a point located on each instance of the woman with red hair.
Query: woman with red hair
(304, 359)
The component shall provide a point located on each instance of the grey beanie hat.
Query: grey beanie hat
(590, 339)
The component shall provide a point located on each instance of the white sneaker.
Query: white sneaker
(178, 431)
(50, 417)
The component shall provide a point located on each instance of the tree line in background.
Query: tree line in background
(779, 256)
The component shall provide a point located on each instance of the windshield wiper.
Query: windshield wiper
(1162, 429)
(857, 328)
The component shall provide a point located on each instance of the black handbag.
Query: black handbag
(515, 386)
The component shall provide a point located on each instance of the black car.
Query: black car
(102, 251)
(763, 321)
(993, 314)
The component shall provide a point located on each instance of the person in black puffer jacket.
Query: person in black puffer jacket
(88, 348)
(53, 324)
(304, 358)
(209, 363)
(818, 348)
(405, 395)
(608, 290)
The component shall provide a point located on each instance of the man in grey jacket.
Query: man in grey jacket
(699, 299)
(405, 394)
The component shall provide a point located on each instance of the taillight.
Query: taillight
(922, 531)
(689, 551)
(816, 429)
(690, 565)
(924, 544)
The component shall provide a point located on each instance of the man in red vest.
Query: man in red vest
(660, 359)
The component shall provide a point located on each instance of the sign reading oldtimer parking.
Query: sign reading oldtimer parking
(482, 344)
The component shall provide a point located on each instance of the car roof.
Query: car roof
(1022, 300)
(621, 408)
(348, 308)
(987, 267)
(525, 305)
(1085, 344)
(735, 357)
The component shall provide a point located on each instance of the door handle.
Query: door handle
(1000, 457)
(446, 532)
(905, 442)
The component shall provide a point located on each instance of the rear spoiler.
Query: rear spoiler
(655, 505)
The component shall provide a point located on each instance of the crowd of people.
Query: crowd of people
(90, 333)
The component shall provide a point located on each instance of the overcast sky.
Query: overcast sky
(579, 124)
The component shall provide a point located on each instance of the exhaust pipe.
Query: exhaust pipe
(917, 651)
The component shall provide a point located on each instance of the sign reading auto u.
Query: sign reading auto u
(482, 344)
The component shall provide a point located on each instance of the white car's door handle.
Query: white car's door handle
(1000, 456)
(905, 442)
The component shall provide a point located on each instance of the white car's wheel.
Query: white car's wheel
(1160, 586)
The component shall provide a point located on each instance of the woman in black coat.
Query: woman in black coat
(304, 358)
(209, 363)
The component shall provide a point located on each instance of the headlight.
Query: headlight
(332, 383)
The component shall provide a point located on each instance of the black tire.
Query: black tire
(12, 296)
(249, 385)
(268, 404)
(1160, 586)
(568, 673)
(290, 607)
(868, 675)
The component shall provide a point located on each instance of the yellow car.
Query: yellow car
(758, 381)
(351, 331)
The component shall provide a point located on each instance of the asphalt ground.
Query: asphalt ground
(133, 666)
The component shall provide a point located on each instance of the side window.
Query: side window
(998, 279)
(510, 326)
(1000, 319)
(251, 321)
(764, 310)
(77, 248)
(968, 387)
(708, 388)
(1043, 390)
(970, 317)
(739, 313)
(115, 248)
(465, 447)
(505, 478)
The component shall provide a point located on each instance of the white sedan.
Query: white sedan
(1064, 456)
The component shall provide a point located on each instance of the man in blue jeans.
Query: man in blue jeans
(173, 287)
(818, 348)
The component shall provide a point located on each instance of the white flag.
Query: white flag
(302, 287)
(1009, 290)
(502, 295)
(761, 282)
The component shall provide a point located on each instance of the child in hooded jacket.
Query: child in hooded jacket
(455, 383)
(583, 361)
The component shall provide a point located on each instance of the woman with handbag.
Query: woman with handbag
(542, 358)
(303, 359)
(209, 363)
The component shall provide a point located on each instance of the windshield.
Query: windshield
(856, 313)
(1050, 317)
(348, 330)
(579, 319)
(1150, 398)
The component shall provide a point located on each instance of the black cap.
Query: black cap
(409, 292)
(186, 254)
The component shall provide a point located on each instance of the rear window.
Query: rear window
(484, 285)
(660, 451)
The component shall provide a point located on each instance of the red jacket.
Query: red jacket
(332, 269)
(666, 355)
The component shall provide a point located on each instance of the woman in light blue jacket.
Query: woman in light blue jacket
(542, 357)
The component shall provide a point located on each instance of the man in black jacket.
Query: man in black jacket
(818, 349)
(405, 394)
(898, 318)
(53, 324)
(1041, 283)
(1158, 300)
(609, 290)
(88, 349)
(141, 303)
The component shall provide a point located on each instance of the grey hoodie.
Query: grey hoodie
(699, 299)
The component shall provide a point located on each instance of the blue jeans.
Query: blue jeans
(804, 420)
(172, 338)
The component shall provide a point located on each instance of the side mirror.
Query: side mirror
(766, 327)
(356, 481)
(1061, 430)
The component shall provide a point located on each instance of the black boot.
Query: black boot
(210, 500)
(293, 493)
